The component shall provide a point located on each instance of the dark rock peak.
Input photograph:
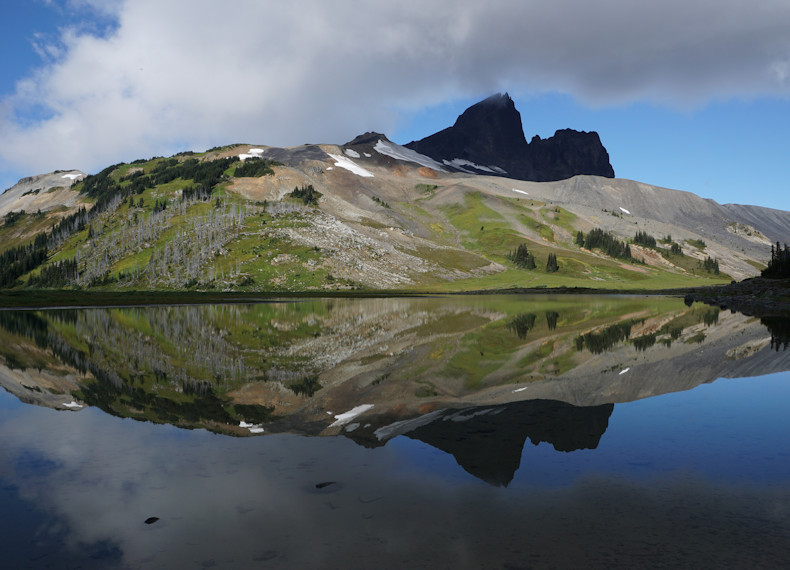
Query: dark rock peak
(367, 138)
(490, 134)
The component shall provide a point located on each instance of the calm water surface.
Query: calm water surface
(504, 444)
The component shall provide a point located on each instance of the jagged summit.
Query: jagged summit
(488, 137)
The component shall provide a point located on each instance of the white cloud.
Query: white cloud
(172, 76)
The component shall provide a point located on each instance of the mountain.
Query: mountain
(371, 214)
(488, 138)
(42, 192)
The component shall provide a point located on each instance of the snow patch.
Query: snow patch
(460, 163)
(623, 371)
(497, 169)
(448, 163)
(342, 419)
(406, 154)
(352, 153)
(519, 389)
(256, 429)
(520, 191)
(348, 164)
(71, 176)
(252, 153)
(329, 168)
(624, 210)
(73, 405)
(368, 155)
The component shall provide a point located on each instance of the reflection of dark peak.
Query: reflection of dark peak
(488, 442)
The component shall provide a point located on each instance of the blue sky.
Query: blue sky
(691, 95)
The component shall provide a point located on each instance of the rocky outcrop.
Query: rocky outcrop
(488, 138)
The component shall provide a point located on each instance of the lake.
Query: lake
(437, 432)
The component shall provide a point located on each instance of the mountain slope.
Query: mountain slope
(383, 217)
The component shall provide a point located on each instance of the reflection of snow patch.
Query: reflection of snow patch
(623, 371)
(352, 153)
(402, 153)
(352, 427)
(462, 417)
(624, 210)
(348, 164)
(405, 426)
(367, 154)
(497, 169)
(520, 191)
(254, 428)
(342, 419)
(73, 405)
(519, 389)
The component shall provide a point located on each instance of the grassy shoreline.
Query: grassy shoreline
(776, 291)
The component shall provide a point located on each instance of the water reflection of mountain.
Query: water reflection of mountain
(488, 442)
(417, 366)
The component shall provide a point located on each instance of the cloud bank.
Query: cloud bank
(173, 76)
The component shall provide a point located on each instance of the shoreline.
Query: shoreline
(756, 296)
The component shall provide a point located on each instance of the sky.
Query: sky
(687, 94)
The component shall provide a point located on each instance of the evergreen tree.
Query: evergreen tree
(645, 239)
(606, 242)
(579, 239)
(551, 263)
(522, 257)
(779, 265)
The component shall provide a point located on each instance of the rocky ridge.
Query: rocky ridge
(488, 138)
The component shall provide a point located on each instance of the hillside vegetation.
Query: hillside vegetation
(308, 221)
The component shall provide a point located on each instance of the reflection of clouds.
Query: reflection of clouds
(252, 502)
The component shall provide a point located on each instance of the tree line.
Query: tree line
(597, 238)
(779, 265)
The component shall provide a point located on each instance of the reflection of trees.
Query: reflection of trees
(603, 340)
(522, 324)
(779, 327)
(169, 367)
(551, 319)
